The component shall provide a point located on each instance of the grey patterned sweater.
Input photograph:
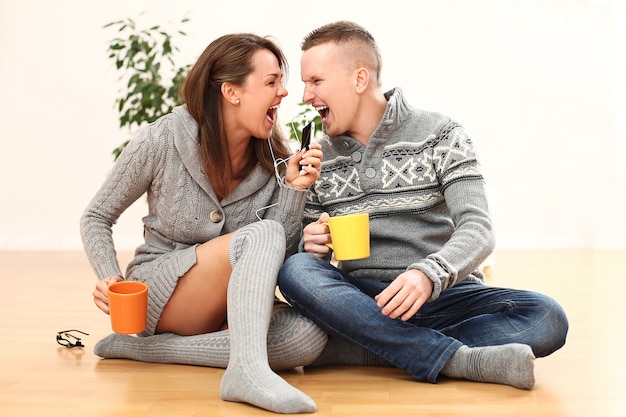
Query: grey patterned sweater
(419, 180)
(165, 162)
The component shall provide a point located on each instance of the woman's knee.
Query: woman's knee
(268, 228)
(267, 235)
(272, 226)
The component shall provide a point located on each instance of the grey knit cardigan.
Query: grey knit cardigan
(164, 161)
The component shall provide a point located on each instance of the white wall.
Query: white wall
(539, 84)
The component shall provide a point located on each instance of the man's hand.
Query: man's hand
(316, 236)
(405, 295)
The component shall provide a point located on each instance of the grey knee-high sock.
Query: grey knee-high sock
(256, 254)
(340, 352)
(292, 340)
(511, 364)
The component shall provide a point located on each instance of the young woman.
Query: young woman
(225, 203)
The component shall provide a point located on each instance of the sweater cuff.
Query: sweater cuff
(292, 200)
(108, 267)
(440, 276)
(291, 203)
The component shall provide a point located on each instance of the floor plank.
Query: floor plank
(45, 292)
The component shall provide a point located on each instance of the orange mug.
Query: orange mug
(128, 306)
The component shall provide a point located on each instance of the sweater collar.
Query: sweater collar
(397, 109)
(186, 142)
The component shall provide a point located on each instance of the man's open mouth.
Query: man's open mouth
(323, 111)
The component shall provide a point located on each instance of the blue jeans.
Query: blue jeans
(469, 314)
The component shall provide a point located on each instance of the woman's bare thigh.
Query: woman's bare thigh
(198, 303)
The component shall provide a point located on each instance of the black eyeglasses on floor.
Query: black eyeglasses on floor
(69, 340)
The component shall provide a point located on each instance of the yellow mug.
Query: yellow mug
(350, 236)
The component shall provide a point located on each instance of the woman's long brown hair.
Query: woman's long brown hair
(227, 59)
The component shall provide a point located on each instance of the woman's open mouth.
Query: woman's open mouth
(271, 114)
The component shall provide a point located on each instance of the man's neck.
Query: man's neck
(371, 113)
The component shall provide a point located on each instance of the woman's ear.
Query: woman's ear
(230, 93)
(361, 79)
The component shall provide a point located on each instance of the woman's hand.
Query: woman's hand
(304, 168)
(101, 293)
(316, 235)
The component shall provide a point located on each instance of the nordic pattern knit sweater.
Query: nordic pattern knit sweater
(419, 180)
(165, 162)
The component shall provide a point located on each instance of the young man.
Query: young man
(419, 301)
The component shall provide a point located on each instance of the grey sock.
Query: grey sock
(256, 254)
(292, 340)
(210, 349)
(511, 364)
(340, 352)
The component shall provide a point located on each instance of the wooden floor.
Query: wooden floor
(45, 292)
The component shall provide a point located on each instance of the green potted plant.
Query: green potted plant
(146, 60)
(151, 88)
(306, 115)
